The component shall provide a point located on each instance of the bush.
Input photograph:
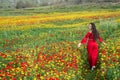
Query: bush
(44, 4)
(28, 4)
(21, 4)
(1, 7)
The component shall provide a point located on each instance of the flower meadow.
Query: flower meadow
(44, 46)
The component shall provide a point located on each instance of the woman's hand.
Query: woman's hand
(104, 43)
(79, 45)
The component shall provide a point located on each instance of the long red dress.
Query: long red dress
(92, 48)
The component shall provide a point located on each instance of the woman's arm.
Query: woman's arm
(79, 44)
(104, 43)
(101, 40)
(84, 40)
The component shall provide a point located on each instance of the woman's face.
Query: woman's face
(90, 27)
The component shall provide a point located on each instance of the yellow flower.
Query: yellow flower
(34, 79)
(41, 77)
(36, 66)
(35, 21)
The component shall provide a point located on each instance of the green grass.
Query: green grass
(69, 8)
(41, 36)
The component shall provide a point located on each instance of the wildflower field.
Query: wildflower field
(41, 43)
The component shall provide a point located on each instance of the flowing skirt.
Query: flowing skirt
(92, 49)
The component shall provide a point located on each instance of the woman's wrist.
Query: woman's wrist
(79, 44)
(104, 43)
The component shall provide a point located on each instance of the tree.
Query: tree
(20, 4)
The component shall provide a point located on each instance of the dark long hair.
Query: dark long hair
(94, 31)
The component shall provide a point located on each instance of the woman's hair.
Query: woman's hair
(94, 31)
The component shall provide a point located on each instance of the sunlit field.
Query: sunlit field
(43, 46)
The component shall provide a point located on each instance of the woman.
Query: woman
(92, 46)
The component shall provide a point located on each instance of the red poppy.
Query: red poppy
(4, 78)
(52, 35)
(3, 55)
(38, 76)
(24, 66)
(14, 79)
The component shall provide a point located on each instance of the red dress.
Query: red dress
(92, 48)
